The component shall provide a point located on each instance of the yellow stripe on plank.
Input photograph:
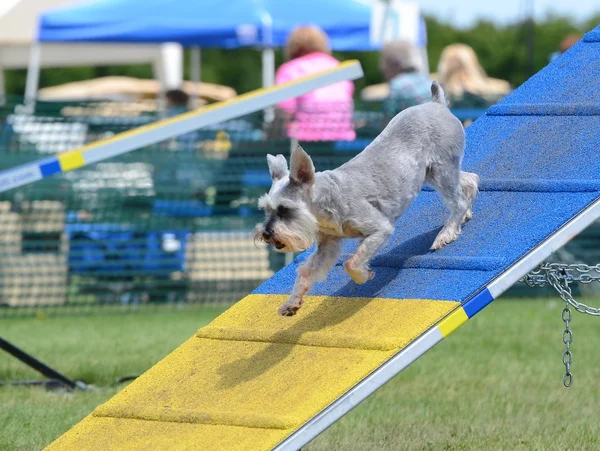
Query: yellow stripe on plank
(456, 319)
(351, 341)
(72, 159)
(216, 416)
(360, 323)
(255, 371)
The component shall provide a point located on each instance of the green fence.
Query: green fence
(166, 224)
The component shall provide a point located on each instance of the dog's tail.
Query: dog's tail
(437, 93)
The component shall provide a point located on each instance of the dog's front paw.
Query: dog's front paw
(289, 308)
(360, 275)
(468, 215)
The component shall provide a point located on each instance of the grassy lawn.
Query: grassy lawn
(496, 383)
(97, 349)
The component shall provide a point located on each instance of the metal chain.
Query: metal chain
(553, 273)
(560, 276)
(564, 291)
(567, 357)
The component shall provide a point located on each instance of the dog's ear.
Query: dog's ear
(302, 169)
(277, 167)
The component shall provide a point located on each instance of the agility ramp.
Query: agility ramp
(252, 380)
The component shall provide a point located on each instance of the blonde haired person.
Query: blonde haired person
(465, 81)
(324, 114)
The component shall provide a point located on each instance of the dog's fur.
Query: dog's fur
(365, 197)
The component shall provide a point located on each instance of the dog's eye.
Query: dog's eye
(283, 212)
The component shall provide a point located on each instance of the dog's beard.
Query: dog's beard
(294, 240)
(294, 236)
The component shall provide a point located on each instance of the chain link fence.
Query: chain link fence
(169, 223)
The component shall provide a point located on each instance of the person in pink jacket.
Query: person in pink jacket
(324, 114)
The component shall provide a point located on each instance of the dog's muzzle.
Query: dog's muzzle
(268, 238)
(278, 244)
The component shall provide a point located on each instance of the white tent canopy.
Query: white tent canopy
(18, 47)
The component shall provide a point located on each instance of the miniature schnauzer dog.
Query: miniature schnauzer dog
(364, 197)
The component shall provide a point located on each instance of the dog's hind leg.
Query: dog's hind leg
(315, 269)
(469, 183)
(446, 179)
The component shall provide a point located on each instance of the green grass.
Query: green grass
(97, 349)
(495, 384)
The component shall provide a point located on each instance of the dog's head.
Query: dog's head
(289, 224)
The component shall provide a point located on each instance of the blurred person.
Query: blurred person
(464, 80)
(565, 45)
(178, 102)
(400, 64)
(324, 114)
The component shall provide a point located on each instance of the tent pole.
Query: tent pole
(422, 39)
(196, 73)
(425, 58)
(268, 67)
(33, 76)
(168, 70)
(158, 69)
(268, 78)
(268, 60)
(268, 54)
(2, 86)
(386, 16)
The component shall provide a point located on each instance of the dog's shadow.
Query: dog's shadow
(326, 315)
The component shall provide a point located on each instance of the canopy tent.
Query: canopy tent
(350, 24)
(18, 30)
(203, 23)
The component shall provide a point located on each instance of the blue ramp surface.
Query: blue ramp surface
(536, 153)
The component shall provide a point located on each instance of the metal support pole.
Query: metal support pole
(45, 370)
(268, 61)
(2, 86)
(33, 76)
(196, 73)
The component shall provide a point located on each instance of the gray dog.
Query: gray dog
(364, 197)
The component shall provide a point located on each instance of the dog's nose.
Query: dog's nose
(267, 234)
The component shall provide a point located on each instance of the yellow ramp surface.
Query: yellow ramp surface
(251, 378)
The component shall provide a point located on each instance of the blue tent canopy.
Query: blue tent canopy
(212, 23)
